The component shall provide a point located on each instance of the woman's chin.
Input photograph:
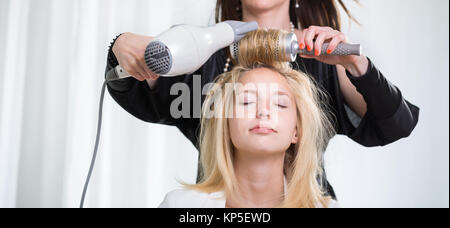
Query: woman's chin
(264, 148)
(261, 5)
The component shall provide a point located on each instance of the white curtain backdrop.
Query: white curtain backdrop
(52, 60)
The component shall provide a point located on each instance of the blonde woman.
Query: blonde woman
(263, 132)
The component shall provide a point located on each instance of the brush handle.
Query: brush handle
(341, 50)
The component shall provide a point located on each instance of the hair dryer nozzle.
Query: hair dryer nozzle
(241, 28)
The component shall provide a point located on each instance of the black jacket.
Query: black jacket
(389, 116)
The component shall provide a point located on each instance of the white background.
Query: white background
(52, 60)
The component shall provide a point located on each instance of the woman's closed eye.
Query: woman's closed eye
(278, 104)
(247, 100)
(248, 103)
(278, 101)
(281, 102)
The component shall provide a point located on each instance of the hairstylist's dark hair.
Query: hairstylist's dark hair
(310, 12)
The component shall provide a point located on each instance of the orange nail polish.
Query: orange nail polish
(317, 52)
(309, 48)
(302, 46)
(328, 51)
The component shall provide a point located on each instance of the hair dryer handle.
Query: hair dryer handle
(116, 73)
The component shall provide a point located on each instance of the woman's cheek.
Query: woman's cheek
(287, 118)
(233, 129)
(238, 131)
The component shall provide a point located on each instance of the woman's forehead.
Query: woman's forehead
(263, 79)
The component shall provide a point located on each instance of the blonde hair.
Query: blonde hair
(303, 160)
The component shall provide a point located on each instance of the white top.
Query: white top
(184, 198)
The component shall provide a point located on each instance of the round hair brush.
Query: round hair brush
(287, 49)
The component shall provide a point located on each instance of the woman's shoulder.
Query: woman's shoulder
(331, 204)
(334, 204)
(186, 198)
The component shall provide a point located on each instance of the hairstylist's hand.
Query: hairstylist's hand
(129, 49)
(314, 37)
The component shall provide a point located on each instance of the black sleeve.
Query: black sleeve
(389, 116)
(137, 98)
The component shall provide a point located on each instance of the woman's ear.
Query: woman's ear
(294, 138)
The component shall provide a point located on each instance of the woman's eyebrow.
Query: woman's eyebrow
(281, 92)
(277, 92)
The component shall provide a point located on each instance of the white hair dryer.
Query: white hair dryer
(183, 49)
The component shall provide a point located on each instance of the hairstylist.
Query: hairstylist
(368, 108)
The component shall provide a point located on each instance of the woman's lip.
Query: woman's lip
(262, 130)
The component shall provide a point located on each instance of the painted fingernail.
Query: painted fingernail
(317, 52)
(309, 48)
(328, 51)
(302, 46)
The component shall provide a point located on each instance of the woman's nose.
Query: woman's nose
(263, 112)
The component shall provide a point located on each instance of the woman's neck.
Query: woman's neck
(275, 18)
(261, 181)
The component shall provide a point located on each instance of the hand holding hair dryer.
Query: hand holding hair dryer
(183, 49)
